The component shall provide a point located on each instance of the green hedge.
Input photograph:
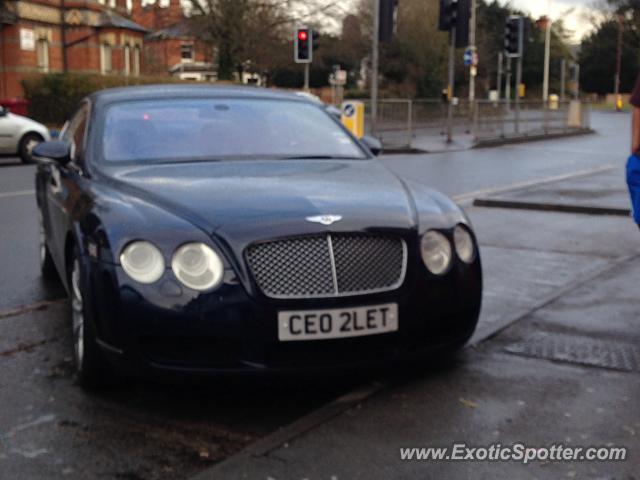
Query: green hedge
(54, 97)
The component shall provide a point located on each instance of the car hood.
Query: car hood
(243, 201)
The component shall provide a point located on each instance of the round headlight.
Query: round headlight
(436, 252)
(464, 244)
(142, 261)
(197, 266)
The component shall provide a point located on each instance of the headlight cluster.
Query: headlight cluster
(196, 265)
(437, 252)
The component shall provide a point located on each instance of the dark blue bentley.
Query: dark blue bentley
(203, 230)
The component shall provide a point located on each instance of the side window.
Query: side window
(75, 132)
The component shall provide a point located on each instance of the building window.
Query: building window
(105, 58)
(127, 60)
(112, 3)
(42, 53)
(136, 60)
(186, 52)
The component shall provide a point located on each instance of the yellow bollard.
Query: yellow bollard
(353, 117)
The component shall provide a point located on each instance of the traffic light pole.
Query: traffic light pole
(563, 69)
(374, 65)
(519, 70)
(472, 47)
(547, 56)
(306, 77)
(499, 80)
(507, 87)
(451, 86)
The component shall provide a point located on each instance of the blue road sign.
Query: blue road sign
(468, 57)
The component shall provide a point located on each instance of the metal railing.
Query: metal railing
(502, 120)
(402, 123)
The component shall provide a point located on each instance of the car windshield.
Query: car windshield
(216, 129)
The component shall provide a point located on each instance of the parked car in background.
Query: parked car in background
(19, 135)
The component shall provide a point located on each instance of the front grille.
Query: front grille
(328, 265)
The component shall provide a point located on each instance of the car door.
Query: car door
(62, 185)
(8, 142)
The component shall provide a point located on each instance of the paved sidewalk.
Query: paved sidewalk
(489, 396)
(557, 363)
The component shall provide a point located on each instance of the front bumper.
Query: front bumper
(161, 331)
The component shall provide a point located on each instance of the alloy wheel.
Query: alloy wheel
(77, 312)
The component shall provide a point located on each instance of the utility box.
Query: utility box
(353, 117)
(575, 114)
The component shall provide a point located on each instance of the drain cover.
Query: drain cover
(579, 350)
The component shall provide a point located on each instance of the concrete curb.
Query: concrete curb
(550, 207)
(299, 427)
(467, 198)
(497, 142)
(492, 142)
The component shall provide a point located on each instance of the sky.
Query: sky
(573, 12)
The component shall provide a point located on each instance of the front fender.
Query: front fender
(434, 210)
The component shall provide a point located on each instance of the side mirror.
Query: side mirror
(3, 111)
(372, 144)
(53, 151)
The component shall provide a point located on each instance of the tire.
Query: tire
(27, 142)
(47, 267)
(92, 369)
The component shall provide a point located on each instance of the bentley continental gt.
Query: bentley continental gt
(204, 231)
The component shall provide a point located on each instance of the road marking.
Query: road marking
(19, 193)
(467, 197)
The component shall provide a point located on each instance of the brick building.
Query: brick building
(171, 47)
(86, 36)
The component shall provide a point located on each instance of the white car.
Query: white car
(18, 135)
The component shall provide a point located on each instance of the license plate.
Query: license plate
(337, 323)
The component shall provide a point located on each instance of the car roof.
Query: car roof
(149, 92)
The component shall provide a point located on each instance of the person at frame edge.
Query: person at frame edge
(633, 164)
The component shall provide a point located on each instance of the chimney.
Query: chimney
(121, 7)
(174, 13)
(136, 10)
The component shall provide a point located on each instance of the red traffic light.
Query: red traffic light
(303, 45)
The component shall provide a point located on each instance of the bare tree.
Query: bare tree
(243, 31)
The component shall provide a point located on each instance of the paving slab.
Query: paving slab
(600, 193)
(605, 311)
(488, 396)
(591, 235)
(485, 399)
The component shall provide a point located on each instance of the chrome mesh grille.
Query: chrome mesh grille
(365, 263)
(328, 265)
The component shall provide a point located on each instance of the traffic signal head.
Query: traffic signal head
(388, 20)
(512, 31)
(448, 15)
(315, 40)
(303, 45)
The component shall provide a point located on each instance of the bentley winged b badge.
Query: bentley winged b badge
(325, 219)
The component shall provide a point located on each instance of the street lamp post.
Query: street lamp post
(547, 56)
(472, 47)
